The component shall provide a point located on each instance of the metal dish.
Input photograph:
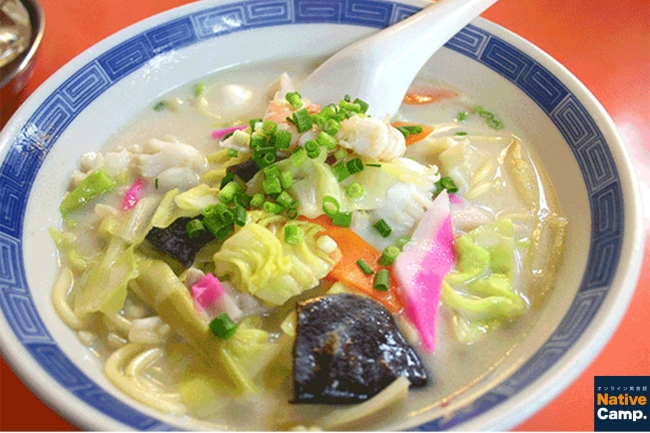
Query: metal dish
(15, 75)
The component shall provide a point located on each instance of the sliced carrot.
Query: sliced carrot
(353, 248)
(427, 96)
(414, 138)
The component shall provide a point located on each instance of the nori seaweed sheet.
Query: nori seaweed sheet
(175, 241)
(347, 349)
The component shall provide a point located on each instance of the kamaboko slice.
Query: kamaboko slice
(422, 266)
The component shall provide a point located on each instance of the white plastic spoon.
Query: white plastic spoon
(380, 68)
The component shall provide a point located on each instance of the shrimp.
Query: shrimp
(279, 109)
(371, 137)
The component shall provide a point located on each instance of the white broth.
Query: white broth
(498, 176)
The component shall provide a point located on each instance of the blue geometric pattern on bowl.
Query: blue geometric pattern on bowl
(43, 129)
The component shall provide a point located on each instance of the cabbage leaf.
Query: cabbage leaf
(259, 262)
(482, 296)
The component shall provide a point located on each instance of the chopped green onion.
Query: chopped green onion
(258, 140)
(269, 127)
(271, 172)
(389, 255)
(160, 106)
(350, 106)
(244, 200)
(382, 280)
(489, 117)
(329, 111)
(294, 99)
(286, 179)
(281, 140)
(218, 230)
(194, 228)
(461, 133)
(257, 201)
(483, 113)
(292, 234)
(272, 185)
(347, 98)
(198, 89)
(312, 148)
(405, 132)
(362, 104)
(331, 206)
(413, 129)
(373, 165)
(227, 193)
(302, 120)
(342, 219)
(224, 214)
(223, 327)
(233, 153)
(462, 116)
(383, 228)
(156, 183)
(355, 165)
(284, 199)
(253, 122)
(340, 154)
(292, 214)
(318, 119)
(268, 159)
(273, 208)
(365, 267)
(401, 241)
(355, 191)
(240, 216)
(341, 171)
(324, 139)
(331, 127)
(229, 177)
(298, 157)
(446, 183)
(495, 124)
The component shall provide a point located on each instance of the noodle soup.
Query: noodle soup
(192, 261)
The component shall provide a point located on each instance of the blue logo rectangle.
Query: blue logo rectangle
(621, 403)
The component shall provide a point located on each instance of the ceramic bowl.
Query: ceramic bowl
(88, 99)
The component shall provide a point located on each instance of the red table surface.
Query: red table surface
(605, 44)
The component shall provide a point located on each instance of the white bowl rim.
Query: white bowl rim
(582, 351)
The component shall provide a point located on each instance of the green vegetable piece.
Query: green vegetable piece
(198, 89)
(272, 185)
(365, 267)
(383, 228)
(341, 171)
(473, 260)
(302, 120)
(446, 183)
(284, 199)
(382, 280)
(342, 219)
(355, 165)
(228, 192)
(93, 185)
(223, 327)
(389, 255)
(293, 234)
(281, 140)
(286, 179)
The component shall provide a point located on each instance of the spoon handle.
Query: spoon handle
(380, 68)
